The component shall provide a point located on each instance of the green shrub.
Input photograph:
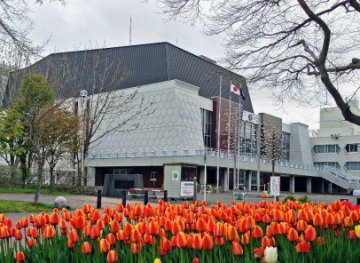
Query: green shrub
(303, 199)
(289, 197)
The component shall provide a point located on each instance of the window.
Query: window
(330, 148)
(286, 145)
(248, 137)
(352, 165)
(331, 164)
(206, 121)
(354, 147)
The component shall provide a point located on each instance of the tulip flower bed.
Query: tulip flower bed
(243, 232)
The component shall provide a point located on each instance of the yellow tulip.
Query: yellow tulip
(157, 260)
(357, 231)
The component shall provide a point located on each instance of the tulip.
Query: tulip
(111, 238)
(157, 260)
(104, 246)
(112, 256)
(195, 260)
(310, 233)
(49, 232)
(292, 235)
(30, 242)
(73, 236)
(357, 231)
(20, 256)
(270, 255)
(259, 252)
(18, 234)
(181, 240)
(257, 232)
(267, 241)
(236, 248)
(352, 234)
(207, 242)
(135, 248)
(303, 247)
(318, 220)
(320, 241)
(86, 248)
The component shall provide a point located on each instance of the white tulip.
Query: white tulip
(271, 254)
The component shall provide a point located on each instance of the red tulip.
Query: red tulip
(236, 248)
(104, 246)
(112, 256)
(86, 248)
(49, 232)
(292, 235)
(20, 256)
(207, 242)
(303, 247)
(310, 233)
(30, 242)
(257, 232)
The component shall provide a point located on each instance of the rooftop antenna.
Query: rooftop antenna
(130, 31)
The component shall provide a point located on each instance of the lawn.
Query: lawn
(7, 206)
(44, 191)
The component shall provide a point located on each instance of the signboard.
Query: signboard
(175, 175)
(250, 117)
(356, 193)
(187, 189)
(275, 185)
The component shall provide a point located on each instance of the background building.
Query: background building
(179, 139)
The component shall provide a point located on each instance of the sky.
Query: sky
(81, 24)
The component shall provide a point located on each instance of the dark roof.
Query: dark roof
(142, 64)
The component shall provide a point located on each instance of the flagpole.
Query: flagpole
(228, 140)
(218, 139)
(238, 139)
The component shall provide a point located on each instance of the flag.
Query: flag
(237, 91)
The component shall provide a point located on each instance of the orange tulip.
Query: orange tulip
(112, 256)
(20, 256)
(245, 238)
(231, 233)
(352, 234)
(181, 240)
(236, 248)
(257, 232)
(104, 246)
(135, 248)
(292, 235)
(320, 241)
(73, 236)
(259, 252)
(114, 227)
(77, 222)
(249, 222)
(303, 247)
(86, 248)
(207, 242)
(135, 235)
(195, 260)
(348, 222)
(310, 233)
(30, 242)
(54, 218)
(197, 242)
(49, 232)
(301, 225)
(267, 242)
(18, 234)
(318, 220)
(111, 238)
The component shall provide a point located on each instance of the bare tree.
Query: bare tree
(15, 24)
(295, 47)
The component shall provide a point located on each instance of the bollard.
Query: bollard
(358, 201)
(165, 196)
(146, 197)
(124, 198)
(98, 203)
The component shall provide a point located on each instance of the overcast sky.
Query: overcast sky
(92, 23)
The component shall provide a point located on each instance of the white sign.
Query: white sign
(175, 175)
(250, 117)
(187, 189)
(275, 185)
(356, 193)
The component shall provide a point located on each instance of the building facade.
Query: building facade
(337, 142)
(191, 131)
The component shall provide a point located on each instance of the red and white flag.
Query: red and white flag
(234, 89)
(237, 91)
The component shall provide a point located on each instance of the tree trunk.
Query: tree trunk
(52, 175)
(39, 180)
(24, 170)
(12, 167)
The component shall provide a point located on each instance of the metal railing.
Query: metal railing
(331, 173)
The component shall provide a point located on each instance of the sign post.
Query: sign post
(187, 189)
(275, 186)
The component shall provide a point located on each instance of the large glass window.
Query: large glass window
(354, 147)
(248, 137)
(331, 164)
(206, 121)
(286, 145)
(329, 148)
(353, 165)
